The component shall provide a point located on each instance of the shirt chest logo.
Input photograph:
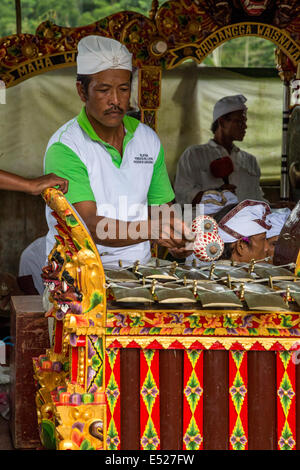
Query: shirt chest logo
(143, 158)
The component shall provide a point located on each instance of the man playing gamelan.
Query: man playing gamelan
(114, 163)
(244, 230)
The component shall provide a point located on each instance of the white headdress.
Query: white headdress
(246, 219)
(97, 53)
(229, 104)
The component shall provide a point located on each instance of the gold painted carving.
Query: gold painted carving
(206, 342)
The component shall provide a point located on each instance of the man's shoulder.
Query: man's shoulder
(142, 129)
(144, 136)
(247, 155)
(197, 149)
(66, 133)
(249, 162)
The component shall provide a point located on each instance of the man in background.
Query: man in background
(219, 165)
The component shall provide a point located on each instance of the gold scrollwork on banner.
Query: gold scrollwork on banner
(198, 51)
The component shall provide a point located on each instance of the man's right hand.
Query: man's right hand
(37, 185)
(171, 232)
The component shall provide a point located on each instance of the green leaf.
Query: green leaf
(253, 331)
(78, 247)
(96, 299)
(209, 331)
(48, 434)
(86, 445)
(88, 245)
(273, 331)
(71, 221)
(154, 331)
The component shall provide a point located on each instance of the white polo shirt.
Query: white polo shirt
(122, 187)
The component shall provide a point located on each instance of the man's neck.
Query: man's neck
(224, 142)
(111, 135)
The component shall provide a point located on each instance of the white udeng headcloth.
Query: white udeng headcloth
(97, 53)
(277, 219)
(248, 218)
(229, 104)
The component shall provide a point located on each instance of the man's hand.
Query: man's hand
(37, 185)
(168, 229)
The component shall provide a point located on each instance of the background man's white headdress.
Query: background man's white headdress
(229, 104)
(97, 53)
(248, 218)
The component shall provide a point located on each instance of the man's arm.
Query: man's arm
(117, 233)
(107, 231)
(111, 232)
(12, 182)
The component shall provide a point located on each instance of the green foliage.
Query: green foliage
(7, 18)
(69, 13)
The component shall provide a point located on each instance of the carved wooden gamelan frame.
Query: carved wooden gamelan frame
(78, 378)
(80, 392)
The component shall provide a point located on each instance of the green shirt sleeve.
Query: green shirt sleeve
(160, 190)
(62, 161)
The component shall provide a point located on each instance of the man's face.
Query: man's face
(257, 249)
(235, 125)
(271, 246)
(108, 97)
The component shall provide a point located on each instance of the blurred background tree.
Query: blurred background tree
(243, 52)
(63, 12)
(239, 52)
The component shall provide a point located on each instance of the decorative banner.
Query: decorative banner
(149, 401)
(149, 117)
(238, 402)
(200, 50)
(193, 400)
(43, 64)
(286, 401)
(113, 399)
(149, 87)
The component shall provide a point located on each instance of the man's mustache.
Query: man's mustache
(114, 109)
